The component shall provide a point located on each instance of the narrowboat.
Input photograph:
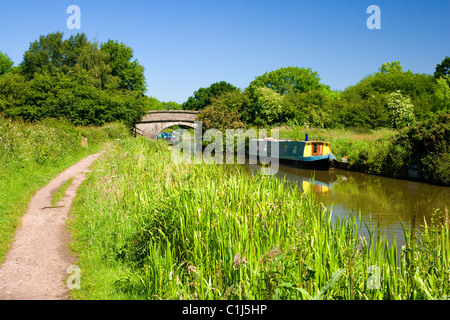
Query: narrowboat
(304, 154)
(169, 137)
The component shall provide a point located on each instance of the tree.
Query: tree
(169, 105)
(312, 108)
(93, 68)
(5, 63)
(443, 69)
(391, 67)
(130, 72)
(370, 112)
(419, 87)
(290, 79)
(44, 55)
(222, 113)
(442, 94)
(401, 110)
(76, 80)
(264, 106)
(203, 96)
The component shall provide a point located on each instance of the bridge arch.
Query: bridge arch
(156, 121)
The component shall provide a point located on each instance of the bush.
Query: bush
(116, 130)
(45, 142)
(427, 146)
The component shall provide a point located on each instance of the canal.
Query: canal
(378, 199)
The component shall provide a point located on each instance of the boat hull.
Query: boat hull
(323, 163)
(293, 153)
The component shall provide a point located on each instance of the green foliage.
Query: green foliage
(216, 232)
(76, 80)
(391, 67)
(46, 55)
(368, 104)
(443, 69)
(203, 96)
(401, 111)
(289, 79)
(388, 152)
(5, 63)
(116, 130)
(370, 113)
(311, 109)
(130, 72)
(61, 192)
(265, 107)
(427, 144)
(154, 104)
(222, 113)
(442, 95)
(419, 87)
(31, 154)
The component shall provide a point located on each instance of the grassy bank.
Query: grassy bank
(363, 149)
(424, 147)
(146, 228)
(33, 154)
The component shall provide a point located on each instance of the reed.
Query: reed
(147, 228)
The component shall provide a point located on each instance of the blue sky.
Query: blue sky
(185, 45)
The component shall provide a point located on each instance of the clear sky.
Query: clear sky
(188, 44)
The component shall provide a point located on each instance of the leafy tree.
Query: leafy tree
(443, 69)
(419, 87)
(426, 144)
(93, 68)
(442, 94)
(130, 72)
(391, 67)
(5, 63)
(203, 96)
(232, 101)
(264, 106)
(44, 55)
(155, 104)
(312, 108)
(222, 113)
(289, 79)
(170, 105)
(152, 104)
(213, 117)
(76, 80)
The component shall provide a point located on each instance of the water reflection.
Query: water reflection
(390, 201)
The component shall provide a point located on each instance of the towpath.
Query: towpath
(35, 267)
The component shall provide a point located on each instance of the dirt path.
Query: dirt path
(35, 267)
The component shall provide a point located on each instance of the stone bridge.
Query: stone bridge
(156, 121)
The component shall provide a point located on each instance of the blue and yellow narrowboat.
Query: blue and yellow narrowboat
(304, 154)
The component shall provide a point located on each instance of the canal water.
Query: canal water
(379, 199)
(391, 203)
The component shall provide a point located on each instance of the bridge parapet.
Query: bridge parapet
(169, 115)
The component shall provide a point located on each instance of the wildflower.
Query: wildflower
(192, 268)
(238, 261)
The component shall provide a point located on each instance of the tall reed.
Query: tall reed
(160, 230)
